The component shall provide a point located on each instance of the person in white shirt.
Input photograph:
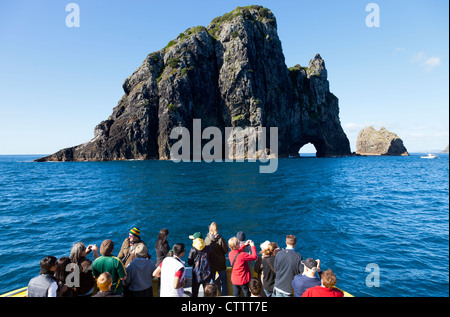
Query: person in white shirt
(172, 272)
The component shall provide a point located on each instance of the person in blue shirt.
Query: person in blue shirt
(308, 279)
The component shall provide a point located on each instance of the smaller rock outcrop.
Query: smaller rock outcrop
(445, 150)
(381, 142)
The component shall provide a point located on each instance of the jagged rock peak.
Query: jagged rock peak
(316, 67)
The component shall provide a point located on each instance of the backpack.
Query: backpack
(202, 268)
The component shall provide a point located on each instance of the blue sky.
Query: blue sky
(57, 83)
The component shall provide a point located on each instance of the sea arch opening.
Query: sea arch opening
(310, 147)
(307, 150)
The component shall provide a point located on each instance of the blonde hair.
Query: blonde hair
(104, 281)
(269, 250)
(233, 243)
(213, 228)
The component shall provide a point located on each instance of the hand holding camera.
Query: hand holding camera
(91, 247)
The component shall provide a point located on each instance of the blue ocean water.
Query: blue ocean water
(352, 213)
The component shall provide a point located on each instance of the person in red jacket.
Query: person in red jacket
(240, 273)
(327, 288)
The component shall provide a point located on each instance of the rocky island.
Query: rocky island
(231, 73)
(379, 142)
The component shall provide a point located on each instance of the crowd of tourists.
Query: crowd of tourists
(274, 272)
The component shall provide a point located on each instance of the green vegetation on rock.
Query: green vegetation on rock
(173, 62)
(185, 35)
(185, 70)
(171, 43)
(243, 12)
(172, 107)
(239, 117)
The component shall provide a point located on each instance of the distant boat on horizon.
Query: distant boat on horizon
(429, 156)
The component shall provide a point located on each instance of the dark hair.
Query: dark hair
(48, 262)
(177, 249)
(255, 286)
(162, 238)
(60, 272)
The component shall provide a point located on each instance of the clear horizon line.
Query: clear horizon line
(412, 152)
